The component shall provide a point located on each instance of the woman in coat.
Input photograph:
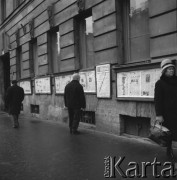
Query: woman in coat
(166, 100)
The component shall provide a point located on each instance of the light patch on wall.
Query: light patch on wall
(19, 17)
(30, 8)
(58, 42)
(89, 25)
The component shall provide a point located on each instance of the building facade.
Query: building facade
(115, 45)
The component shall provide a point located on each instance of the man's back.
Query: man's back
(14, 97)
(74, 95)
(15, 93)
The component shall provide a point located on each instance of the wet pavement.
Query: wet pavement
(40, 150)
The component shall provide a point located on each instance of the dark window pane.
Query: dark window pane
(54, 50)
(3, 10)
(139, 30)
(89, 42)
(35, 59)
(139, 48)
(19, 62)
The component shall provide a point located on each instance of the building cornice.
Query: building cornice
(15, 13)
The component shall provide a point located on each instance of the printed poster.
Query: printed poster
(137, 83)
(147, 83)
(87, 80)
(43, 86)
(26, 85)
(123, 88)
(134, 83)
(103, 81)
(61, 82)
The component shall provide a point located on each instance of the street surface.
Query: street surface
(41, 150)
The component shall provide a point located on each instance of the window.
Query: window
(3, 10)
(54, 50)
(33, 57)
(86, 41)
(19, 62)
(136, 24)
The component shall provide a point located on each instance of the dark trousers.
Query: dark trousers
(74, 118)
(15, 119)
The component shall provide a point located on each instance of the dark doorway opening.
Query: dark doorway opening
(5, 77)
(6, 65)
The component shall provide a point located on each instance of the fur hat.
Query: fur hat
(166, 63)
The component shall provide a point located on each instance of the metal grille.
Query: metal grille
(88, 117)
(35, 109)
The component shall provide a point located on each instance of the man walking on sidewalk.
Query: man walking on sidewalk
(14, 98)
(74, 100)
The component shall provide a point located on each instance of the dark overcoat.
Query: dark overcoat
(166, 102)
(14, 98)
(74, 95)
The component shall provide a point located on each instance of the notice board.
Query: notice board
(26, 85)
(87, 80)
(103, 81)
(61, 82)
(137, 84)
(42, 85)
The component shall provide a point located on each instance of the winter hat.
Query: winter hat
(14, 81)
(166, 63)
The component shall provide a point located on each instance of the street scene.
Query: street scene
(40, 150)
(88, 89)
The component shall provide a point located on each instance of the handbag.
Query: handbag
(160, 134)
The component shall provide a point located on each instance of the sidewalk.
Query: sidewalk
(41, 150)
(91, 129)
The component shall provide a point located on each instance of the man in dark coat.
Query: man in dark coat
(166, 100)
(75, 101)
(14, 98)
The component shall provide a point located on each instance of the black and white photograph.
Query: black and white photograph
(88, 89)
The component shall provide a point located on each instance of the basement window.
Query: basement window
(34, 109)
(136, 126)
(88, 117)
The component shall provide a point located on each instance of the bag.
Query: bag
(160, 134)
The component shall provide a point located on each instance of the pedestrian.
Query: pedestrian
(14, 98)
(74, 99)
(166, 101)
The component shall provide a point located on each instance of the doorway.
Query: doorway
(6, 65)
(4, 78)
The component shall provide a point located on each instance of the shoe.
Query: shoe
(76, 132)
(15, 126)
